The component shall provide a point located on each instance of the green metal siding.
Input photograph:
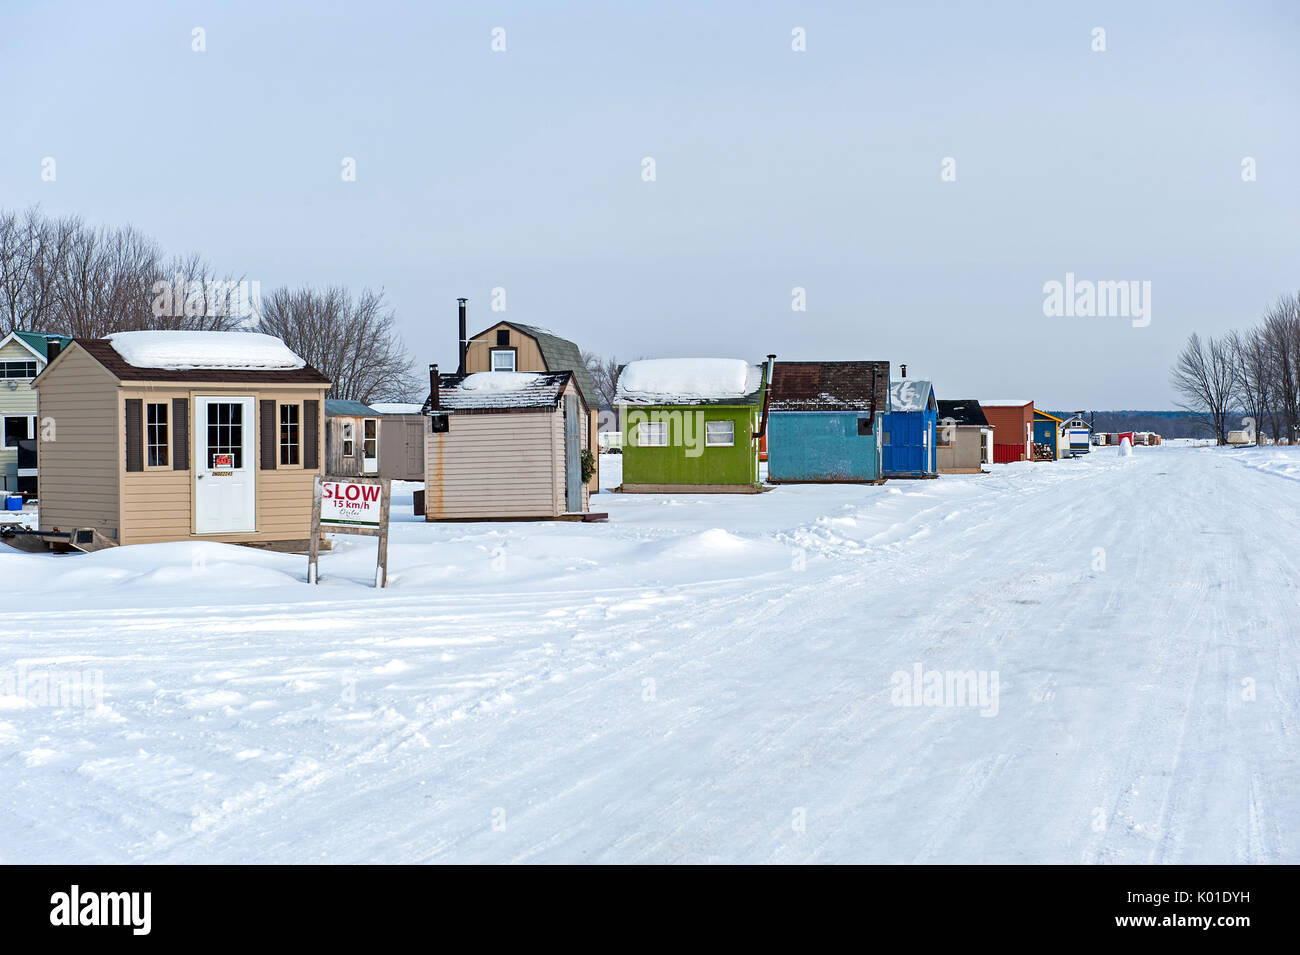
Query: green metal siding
(678, 463)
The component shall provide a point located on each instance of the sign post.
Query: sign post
(350, 505)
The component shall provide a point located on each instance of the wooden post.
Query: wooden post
(313, 546)
(348, 527)
(381, 567)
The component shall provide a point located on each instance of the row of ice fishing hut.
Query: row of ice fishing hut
(703, 424)
(220, 435)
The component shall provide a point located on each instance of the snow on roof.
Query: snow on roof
(487, 390)
(396, 407)
(243, 351)
(498, 381)
(829, 386)
(910, 394)
(1006, 402)
(687, 380)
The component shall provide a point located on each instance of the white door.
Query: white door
(370, 446)
(224, 467)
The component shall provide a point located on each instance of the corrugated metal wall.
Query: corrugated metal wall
(821, 446)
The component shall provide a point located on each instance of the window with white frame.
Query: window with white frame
(289, 434)
(503, 359)
(156, 434)
(370, 438)
(17, 369)
(652, 434)
(719, 434)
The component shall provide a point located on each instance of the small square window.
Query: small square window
(864, 426)
(719, 434)
(503, 338)
(503, 359)
(652, 434)
(349, 442)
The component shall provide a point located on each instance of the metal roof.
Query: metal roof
(347, 407)
(910, 394)
(38, 341)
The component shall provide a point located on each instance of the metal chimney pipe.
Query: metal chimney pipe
(433, 387)
(767, 397)
(902, 370)
(464, 336)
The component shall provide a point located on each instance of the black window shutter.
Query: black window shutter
(180, 434)
(311, 435)
(135, 434)
(270, 444)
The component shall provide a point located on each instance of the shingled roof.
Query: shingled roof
(963, 411)
(543, 391)
(830, 386)
(560, 354)
(101, 349)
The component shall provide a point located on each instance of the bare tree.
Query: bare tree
(33, 250)
(1254, 374)
(58, 275)
(354, 342)
(1205, 379)
(604, 375)
(1281, 337)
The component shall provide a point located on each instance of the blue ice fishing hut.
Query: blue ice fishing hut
(909, 429)
(824, 421)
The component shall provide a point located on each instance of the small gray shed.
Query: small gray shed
(352, 438)
(401, 453)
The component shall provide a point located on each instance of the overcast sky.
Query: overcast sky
(774, 169)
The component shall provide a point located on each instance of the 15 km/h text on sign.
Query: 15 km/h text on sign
(350, 503)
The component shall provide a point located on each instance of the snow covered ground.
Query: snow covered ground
(704, 678)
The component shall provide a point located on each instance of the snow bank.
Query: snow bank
(688, 379)
(498, 381)
(242, 351)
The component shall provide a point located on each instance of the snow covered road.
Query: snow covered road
(700, 679)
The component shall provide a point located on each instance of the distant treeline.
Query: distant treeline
(1168, 424)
